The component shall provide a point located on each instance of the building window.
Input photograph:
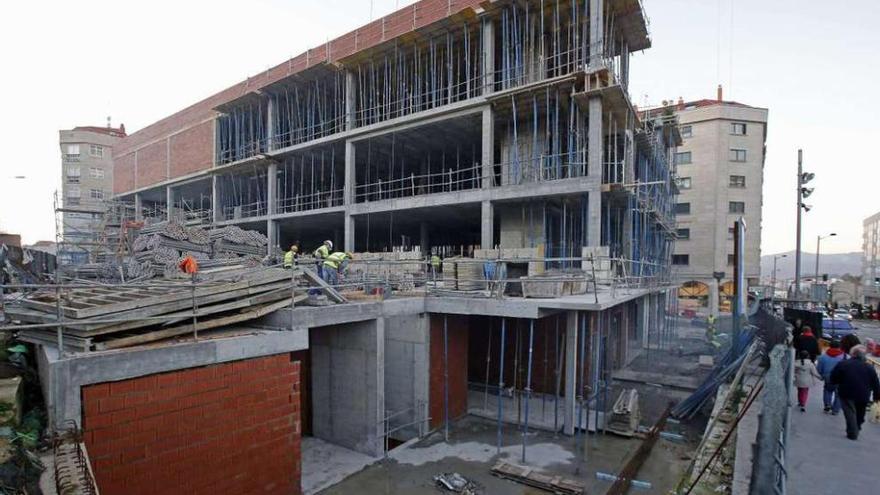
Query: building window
(683, 158)
(683, 234)
(686, 131)
(72, 201)
(96, 173)
(96, 194)
(730, 231)
(73, 175)
(72, 191)
(737, 155)
(682, 208)
(71, 153)
(738, 129)
(681, 259)
(731, 259)
(96, 150)
(684, 182)
(738, 181)
(736, 207)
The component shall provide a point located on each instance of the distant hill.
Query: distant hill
(834, 265)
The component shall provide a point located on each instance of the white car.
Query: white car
(842, 314)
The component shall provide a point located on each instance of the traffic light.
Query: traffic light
(807, 177)
(806, 192)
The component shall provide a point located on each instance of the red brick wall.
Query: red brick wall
(191, 150)
(123, 173)
(226, 428)
(152, 164)
(457, 330)
(416, 16)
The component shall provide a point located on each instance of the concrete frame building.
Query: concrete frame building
(871, 261)
(86, 183)
(468, 127)
(721, 178)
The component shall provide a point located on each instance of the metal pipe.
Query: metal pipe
(501, 379)
(528, 388)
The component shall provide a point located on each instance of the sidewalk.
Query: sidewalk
(822, 460)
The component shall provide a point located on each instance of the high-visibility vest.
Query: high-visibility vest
(322, 252)
(435, 261)
(334, 260)
(288, 259)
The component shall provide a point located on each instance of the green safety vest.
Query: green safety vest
(435, 261)
(288, 259)
(322, 252)
(334, 260)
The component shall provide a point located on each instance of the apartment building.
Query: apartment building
(720, 178)
(86, 182)
(871, 261)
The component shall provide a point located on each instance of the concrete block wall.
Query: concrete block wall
(406, 371)
(226, 428)
(348, 392)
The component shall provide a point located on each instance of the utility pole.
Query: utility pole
(818, 240)
(802, 193)
(773, 275)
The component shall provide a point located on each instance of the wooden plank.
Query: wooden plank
(185, 329)
(527, 476)
(330, 291)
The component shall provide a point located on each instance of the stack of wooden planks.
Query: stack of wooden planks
(107, 316)
(528, 476)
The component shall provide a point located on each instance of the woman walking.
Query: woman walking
(805, 376)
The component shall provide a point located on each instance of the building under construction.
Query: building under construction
(498, 135)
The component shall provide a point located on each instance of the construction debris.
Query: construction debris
(625, 414)
(456, 483)
(631, 468)
(528, 476)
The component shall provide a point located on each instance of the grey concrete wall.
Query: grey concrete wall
(406, 373)
(348, 391)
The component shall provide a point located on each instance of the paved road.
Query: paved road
(822, 460)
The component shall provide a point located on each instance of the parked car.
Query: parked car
(837, 328)
(842, 314)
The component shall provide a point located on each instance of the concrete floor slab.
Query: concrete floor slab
(818, 446)
(472, 451)
(325, 464)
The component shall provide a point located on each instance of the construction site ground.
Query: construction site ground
(471, 452)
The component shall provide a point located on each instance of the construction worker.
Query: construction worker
(321, 254)
(710, 332)
(436, 263)
(333, 265)
(290, 257)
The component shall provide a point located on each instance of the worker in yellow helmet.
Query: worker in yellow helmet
(333, 265)
(291, 256)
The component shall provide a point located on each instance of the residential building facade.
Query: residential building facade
(871, 261)
(86, 183)
(720, 177)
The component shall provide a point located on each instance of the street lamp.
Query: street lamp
(802, 193)
(773, 276)
(818, 240)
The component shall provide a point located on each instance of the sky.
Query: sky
(815, 66)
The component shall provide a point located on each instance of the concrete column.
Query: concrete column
(349, 232)
(597, 33)
(714, 290)
(348, 194)
(595, 146)
(272, 235)
(378, 445)
(488, 146)
(487, 226)
(571, 352)
(349, 100)
(488, 55)
(217, 213)
(272, 189)
(270, 124)
(138, 207)
(169, 203)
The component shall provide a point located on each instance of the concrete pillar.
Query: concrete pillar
(349, 100)
(714, 291)
(488, 55)
(217, 213)
(378, 444)
(273, 235)
(488, 146)
(349, 233)
(138, 208)
(271, 200)
(487, 226)
(571, 352)
(595, 145)
(597, 33)
(348, 194)
(270, 124)
(169, 203)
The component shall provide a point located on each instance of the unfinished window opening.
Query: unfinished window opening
(308, 109)
(242, 194)
(312, 180)
(437, 158)
(241, 131)
(442, 230)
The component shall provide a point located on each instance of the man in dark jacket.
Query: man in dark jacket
(856, 381)
(806, 341)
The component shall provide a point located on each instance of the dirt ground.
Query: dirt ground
(471, 452)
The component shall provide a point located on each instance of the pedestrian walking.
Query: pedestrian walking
(806, 341)
(825, 366)
(857, 385)
(805, 376)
